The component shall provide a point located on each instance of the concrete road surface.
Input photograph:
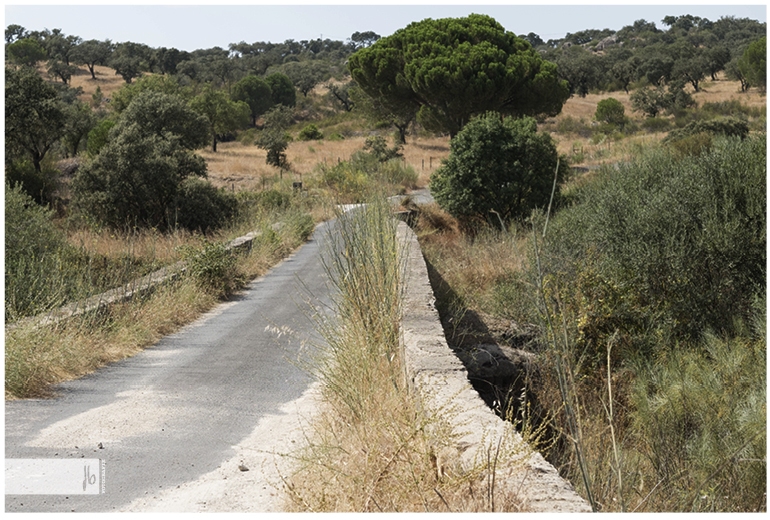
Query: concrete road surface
(178, 410)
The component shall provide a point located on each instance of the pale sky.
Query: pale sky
(199, 26)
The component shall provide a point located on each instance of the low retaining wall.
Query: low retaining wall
(132, 289)
(440, 377)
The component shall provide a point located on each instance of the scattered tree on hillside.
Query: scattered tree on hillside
(377, 113)
(127, 61)
(80, 120)
(753, 64)
(91, 53)
(341, 94)
(26, 51)
(59, 69)
(453, 69)
(15, 32)
(256, 93)
(273, 137)
(34, 120)
(305, 75)
(223, 115)
(360, 40)
(610, 111)
(282, 88)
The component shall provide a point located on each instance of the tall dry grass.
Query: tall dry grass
(240, 167)
(375, 445)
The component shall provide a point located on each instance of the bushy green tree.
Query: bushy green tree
(504, 166)
(753, 64)
(155, 83)
(305, 75)
(201, 206)
(59, 69)
(610, 111)
(90, 53)
(136, 177)
(282, 89)
(222, 114)
(34, 120)
(80, 121)
(273, 137)
(310, 133)
(452, 69)
(32, 249)
(256, 93)
(26, 51)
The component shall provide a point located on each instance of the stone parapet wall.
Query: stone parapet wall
(442, 380)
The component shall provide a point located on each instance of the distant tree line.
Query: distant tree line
(689, 50)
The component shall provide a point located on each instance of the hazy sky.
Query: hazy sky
(200, 26)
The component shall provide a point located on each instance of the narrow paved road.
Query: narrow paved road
(174, 412)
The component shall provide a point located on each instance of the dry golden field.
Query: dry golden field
(243, 167)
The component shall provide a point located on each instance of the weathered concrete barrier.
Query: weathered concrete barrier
(440, 377)
(135, 288)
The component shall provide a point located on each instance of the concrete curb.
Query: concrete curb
(440, 377)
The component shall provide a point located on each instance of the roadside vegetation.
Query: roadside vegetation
(643, 296)
(613, 225)
(375, 446)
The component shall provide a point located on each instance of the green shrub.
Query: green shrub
(732, 107)
(374, 168)
(571, 126)
(310, 133)
(696, 144)
(610, 111)
(213, 266)
(702, 414)
(656, 124)
(729, 126)
(40, 185)
(502, 166)
(664, 248)
(202, 207)
(336, 136)
(36, 254)
(377, 147)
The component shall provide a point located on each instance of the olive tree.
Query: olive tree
(497, 165)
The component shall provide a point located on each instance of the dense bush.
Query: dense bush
(136, 177)
(702, 415)
(202, 207)
(40, 185)
(610, 111)
(310, 133)
(213, 266)
(664, 248)
(495, 165)
(135, 180)
(34, 251)
(375, 168)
